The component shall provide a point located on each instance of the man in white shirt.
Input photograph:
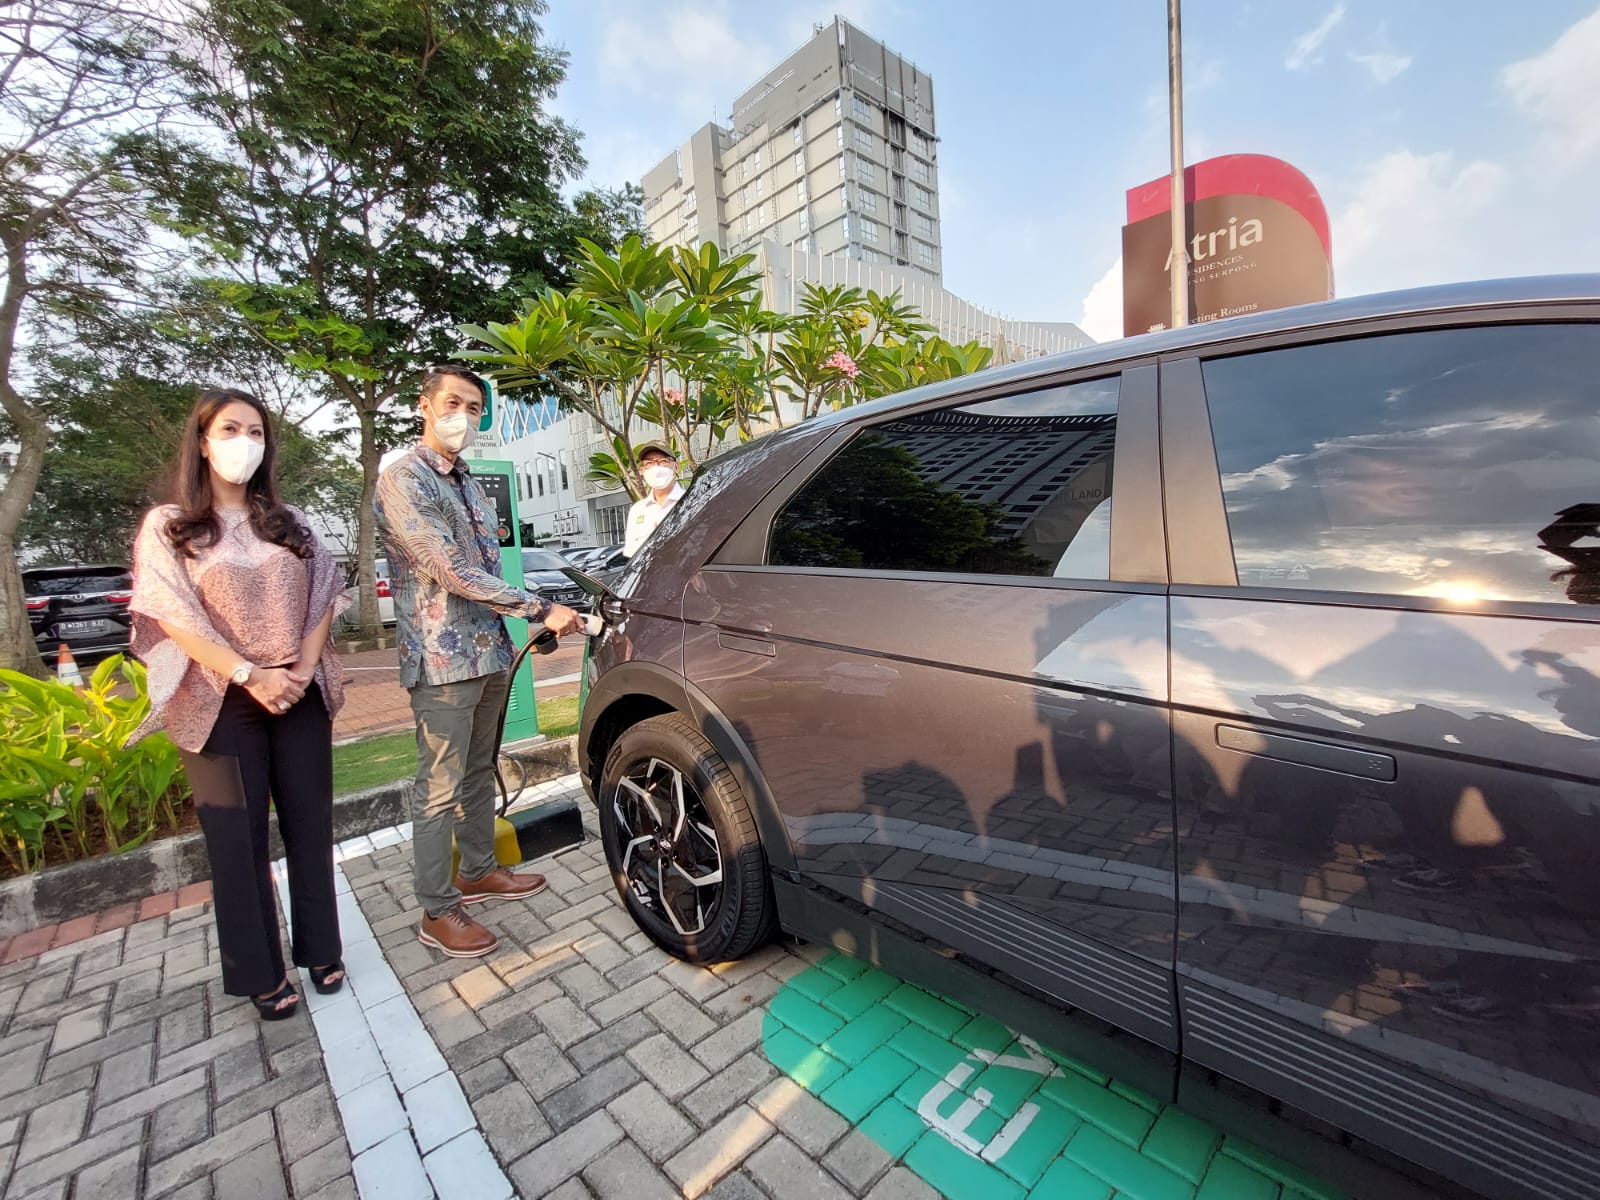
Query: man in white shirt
(659, 466)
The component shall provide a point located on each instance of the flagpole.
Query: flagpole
(1180, 231)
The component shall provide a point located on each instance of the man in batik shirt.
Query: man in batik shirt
(439, 532)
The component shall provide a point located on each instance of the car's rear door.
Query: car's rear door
(945, 646)
(1386, 691)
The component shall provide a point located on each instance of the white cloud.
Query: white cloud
(684, 56)
(1559, 88)
(1417, 219)
(1383, 65)
(1303, 50)
(1101, 316)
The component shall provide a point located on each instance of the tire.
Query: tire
(655, 855)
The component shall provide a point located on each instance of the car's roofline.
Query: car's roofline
(1325, 315)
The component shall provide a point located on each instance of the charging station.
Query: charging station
(495, 476)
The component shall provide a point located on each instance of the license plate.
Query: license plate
(73, 628)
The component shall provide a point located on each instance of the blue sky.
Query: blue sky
(1449, 141)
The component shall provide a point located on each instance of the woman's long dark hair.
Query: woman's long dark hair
(196, 525)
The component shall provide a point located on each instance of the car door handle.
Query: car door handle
(748, 645)
(1325, 756)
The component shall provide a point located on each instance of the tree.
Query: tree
(76, 78)
(677, 339)
(118, 396)
(388, 170)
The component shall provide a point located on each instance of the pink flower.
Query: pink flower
(840, 361)
(674, 395)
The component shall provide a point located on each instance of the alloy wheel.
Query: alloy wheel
(670, 853)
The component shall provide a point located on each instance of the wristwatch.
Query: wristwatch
(241, 673)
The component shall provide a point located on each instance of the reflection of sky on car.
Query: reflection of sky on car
(1446, 485)
(1269, 649)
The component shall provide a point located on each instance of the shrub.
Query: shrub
(66, 780)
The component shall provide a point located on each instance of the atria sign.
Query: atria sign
(1258, 239)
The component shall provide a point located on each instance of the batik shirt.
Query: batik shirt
(439, 532)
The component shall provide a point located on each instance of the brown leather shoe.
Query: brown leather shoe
(457, 934)
(500, 884)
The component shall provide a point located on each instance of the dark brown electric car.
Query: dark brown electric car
(1237, 686)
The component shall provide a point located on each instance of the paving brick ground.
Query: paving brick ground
(125, 1072)
(576, 1062)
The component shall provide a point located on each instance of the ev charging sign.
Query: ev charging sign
(977, 1110)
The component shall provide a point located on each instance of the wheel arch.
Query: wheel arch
(636, 691)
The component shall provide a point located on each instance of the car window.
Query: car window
(1459, 463)
(1015, 486)
(542, 560)
(75, 583)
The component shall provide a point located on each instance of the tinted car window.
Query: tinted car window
(74, 583)
(1460, 463)
(1015, 486)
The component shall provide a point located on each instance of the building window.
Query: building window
(838, 136)
(799, 134)
(541, 483)
(924, 226)
(744, 168)
(805, 221)
(842, 171)
(869, 231)
(802, 193)
(920, 170)
(922, 144)
(761, 186)
(923, 197)
(865, 140)
(925, 254)
(863, 110)
(869, 201)
(1020, 486)
(1458, 464)
(845, 224)
(761, 216)
(564, 484)
(805, 245)
(800, 162)
(757, 157)
(865, 171)
(838, 106)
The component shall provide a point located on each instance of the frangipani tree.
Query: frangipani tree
(678, 339)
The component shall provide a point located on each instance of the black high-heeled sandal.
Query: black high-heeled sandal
(319, 977)
(267, 1006)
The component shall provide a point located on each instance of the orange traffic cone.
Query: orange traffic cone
(67, 667)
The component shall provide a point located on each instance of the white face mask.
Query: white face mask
(659, 478)
(236, 458)
(455, 431)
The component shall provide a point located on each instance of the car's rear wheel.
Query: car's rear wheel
(682, 844)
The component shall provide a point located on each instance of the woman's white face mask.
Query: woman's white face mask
(237, 458)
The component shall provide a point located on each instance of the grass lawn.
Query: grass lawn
(393, 756)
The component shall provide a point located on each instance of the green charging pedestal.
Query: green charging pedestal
(495, 476)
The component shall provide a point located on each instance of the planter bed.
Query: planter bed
(81, 889)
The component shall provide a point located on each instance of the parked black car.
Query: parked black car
(1286, 764)
(542, 573)
(85, 607)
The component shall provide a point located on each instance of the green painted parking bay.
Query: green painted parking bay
(979, 1111)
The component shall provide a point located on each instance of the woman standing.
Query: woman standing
(233, 597)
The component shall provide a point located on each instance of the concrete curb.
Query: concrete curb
(80, 889)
